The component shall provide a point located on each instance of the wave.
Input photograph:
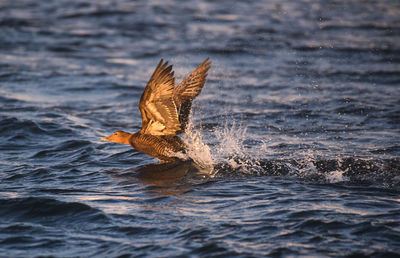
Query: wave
(11, 126)
(46, 210)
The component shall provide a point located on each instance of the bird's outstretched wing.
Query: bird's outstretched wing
(191, 86)
(188, 89)
(157, 106)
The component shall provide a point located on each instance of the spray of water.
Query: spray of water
(197, 150)
(306, 168)
(228, 148)
(231, 149)
(225, 151)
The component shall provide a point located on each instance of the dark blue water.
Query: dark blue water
(296, 135)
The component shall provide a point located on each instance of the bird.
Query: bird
(165, 110)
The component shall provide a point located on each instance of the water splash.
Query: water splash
(231, 149)
(305, 167)
(228, 148)
(197, 150)
(228, 153)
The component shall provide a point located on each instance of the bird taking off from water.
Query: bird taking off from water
(165, 112)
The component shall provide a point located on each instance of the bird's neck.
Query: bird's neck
(125, 139)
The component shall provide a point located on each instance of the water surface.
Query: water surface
(295, 135)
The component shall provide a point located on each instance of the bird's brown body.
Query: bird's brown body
(165, 148)
(165, 110)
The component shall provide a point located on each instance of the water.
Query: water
(295, 135)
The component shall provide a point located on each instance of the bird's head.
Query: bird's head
(118, 137)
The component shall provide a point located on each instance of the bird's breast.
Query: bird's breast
(161, 147)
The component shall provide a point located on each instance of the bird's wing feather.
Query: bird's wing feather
(188, 89)
(192, 85)
(157, 106)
